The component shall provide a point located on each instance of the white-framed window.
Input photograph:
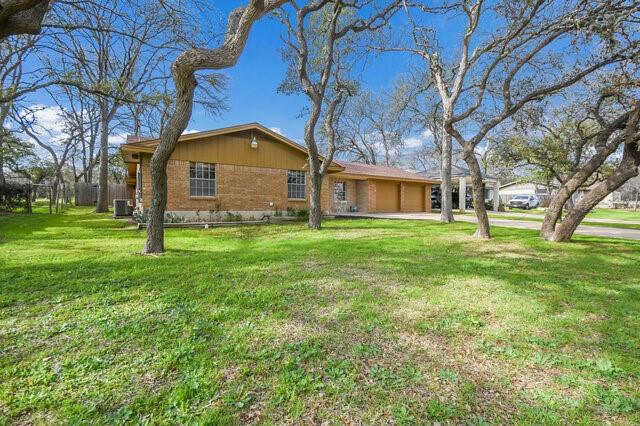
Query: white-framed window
(340, 191)
(202, 180)
(296, 184)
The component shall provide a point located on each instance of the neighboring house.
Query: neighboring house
(252, 170)
(627, 196)
(510, 190)
(461, 177)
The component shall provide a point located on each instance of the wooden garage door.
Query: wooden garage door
(387, 196)
(413, 197)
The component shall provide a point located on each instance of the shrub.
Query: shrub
(488, 204)
(174, 218)
(14, 196)
(234, 217)
(303, 214)
(140, 216)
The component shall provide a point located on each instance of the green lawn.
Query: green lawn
(598, 213)
(366, 321)
(586, 221)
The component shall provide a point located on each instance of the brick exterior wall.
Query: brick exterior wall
(351, 191)
(362, 196)
(252, 189)
(238, 188)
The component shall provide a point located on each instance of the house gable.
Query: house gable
(232, 146)
(235, 149)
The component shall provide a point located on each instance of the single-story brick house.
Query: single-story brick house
(252, 170)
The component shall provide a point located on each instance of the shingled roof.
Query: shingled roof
(376, 171)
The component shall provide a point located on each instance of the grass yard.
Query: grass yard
(597, 213)
(366, 321)
(528, 218)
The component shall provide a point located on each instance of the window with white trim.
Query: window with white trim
(340, 191)
(296, 184)
(202, 180)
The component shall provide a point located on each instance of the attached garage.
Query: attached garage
(414, 197)
(387, 196)
(381, 189)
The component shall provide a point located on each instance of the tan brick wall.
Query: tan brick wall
(362, 196)
(351, 191)
(238, 188)
(244, 188)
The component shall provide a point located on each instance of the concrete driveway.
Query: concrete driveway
(593, 231)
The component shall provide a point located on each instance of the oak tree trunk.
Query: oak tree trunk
(185, 86)
(2, 178)
(183, 71)
(446, 196)
(102, 205)
(315, 204)
(22, 17)
(483, 229)
(569, 187)
(627, 169)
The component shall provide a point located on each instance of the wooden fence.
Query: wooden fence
(86, 194)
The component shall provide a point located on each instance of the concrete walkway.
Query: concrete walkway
(593, 231)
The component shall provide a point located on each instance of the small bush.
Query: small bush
(174, 218)
(488, 204)
(140, 216)
(234, 217)
(14, 196)
(302, 214)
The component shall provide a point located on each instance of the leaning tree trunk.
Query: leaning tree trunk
(22, 17)
(185, 86)
(446, 196)
(102, 205)
(183, 71)
(627, 169)
(483, 229)
(569, 187)
(315, 203)
(2, 178)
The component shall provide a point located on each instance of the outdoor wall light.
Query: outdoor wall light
(254, 142)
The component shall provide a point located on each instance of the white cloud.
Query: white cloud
(48, 125)
(117, 139)
(189, 131)
(413, 142)
(416, 141)
(48, 122)
(426, 134)
(278, 130)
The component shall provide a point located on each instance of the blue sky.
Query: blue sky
(252, 86)
(252, 94)
(253, 82)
